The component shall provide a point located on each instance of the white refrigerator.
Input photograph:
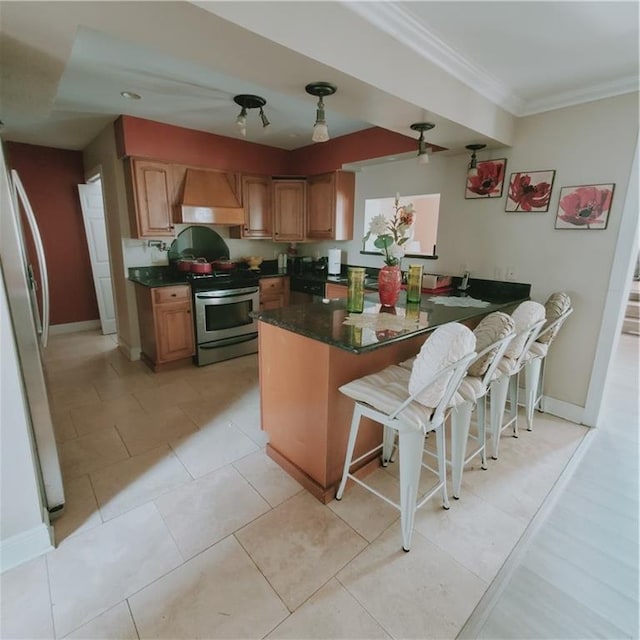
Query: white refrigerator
(30, 324)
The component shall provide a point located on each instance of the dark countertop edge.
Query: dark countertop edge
(167, 276)
(466, 314)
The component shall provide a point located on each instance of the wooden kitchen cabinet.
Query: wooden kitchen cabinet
(150, 190)
(166, 324)
(257, 199)
(274, 293)
(289, 206)
(330, 201)
(332, 290)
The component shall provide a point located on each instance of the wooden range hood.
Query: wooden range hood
(210, 198)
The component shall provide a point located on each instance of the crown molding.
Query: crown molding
(404, 27)
(609, 89)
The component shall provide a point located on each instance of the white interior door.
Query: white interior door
(96, 232)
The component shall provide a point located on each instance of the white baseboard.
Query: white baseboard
(132, 353)
(25, 546)
(565, 410)
(72, 327)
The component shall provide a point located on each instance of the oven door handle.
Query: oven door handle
(228, 341)
(226, 293)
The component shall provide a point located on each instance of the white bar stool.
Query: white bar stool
(557, 308)
(529, 318)
(411, 403)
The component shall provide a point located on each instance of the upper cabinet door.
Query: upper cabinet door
(289, 204)
(150, 196)
(330, 200)
(257, 200)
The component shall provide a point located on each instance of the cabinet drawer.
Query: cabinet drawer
(171, 294)
(271, 284)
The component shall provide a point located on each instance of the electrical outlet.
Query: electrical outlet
(511, 273)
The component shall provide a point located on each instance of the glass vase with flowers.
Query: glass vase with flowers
(391, 236)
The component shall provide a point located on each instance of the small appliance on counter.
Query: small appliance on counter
(334, 259)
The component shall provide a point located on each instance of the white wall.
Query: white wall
(586, 144)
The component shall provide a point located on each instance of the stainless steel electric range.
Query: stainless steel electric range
(223, 302)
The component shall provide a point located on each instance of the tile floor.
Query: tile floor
(177, 525)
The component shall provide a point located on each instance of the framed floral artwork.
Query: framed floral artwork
(487, 180)
(584, 207)
(530, 191)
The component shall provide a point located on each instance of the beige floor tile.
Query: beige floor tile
(217, 594)
(80, 509)
(114, 624)
(66, 397)
(63, 425)
(299, 546)
(269, 479)
(95, 570)
(143, 432)
(25, 603)
(478, 535)
(103, 414)
(124, 385)
(128, 484)
(203, 512)
(211, 448)
(209, 410)
(421, 594)
(364, 511)
(91, 452)
(166, 396)
(331, 612)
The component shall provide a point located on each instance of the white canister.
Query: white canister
(334, 258)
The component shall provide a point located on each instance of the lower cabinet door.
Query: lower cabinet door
(174, 331)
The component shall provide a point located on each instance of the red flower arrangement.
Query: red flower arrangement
(586, 206)
(488, 179)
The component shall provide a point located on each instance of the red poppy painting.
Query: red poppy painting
(530, 191)
(486, 180)
(584, 207)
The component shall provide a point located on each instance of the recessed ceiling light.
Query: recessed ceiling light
(131, 95)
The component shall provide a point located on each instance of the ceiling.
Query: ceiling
(65, 64)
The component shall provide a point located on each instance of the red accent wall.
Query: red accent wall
(158, 141)
(361, 145)
(50, 178)
(149, 139)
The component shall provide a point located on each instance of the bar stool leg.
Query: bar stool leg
(411, 448)
(351, 445)
(460, 423)
(482, 431)
(441, 449)
(499, 390)
(513, 404)
(531, 382)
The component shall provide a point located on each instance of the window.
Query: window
(424, 230)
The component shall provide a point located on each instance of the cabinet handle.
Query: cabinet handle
(173, 295)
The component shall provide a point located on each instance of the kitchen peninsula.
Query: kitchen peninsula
(307, 351)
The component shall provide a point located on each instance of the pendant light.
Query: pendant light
(247, 101)
(423, 155)
(472, 169)
(320, 90)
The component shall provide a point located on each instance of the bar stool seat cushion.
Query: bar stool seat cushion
(387, 389)
(524, 317)
(470, 389)
(538, 349)
(556, 305)
(448, 344)
(491, 328)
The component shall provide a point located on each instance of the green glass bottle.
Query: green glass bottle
(414, 283)
(355, 289)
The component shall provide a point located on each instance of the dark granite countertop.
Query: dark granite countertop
(166, 276)
(323, 320)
